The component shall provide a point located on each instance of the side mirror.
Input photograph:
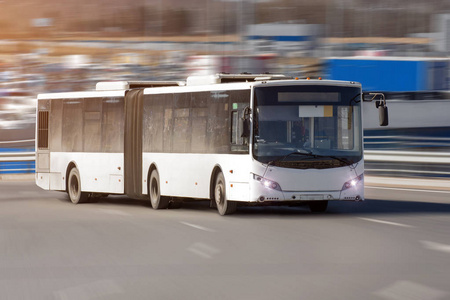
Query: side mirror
(381, 105)
(383, 115)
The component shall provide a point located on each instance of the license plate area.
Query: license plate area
(311, 197)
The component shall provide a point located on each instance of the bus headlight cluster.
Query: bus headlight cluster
(267, 183)
(352, 183)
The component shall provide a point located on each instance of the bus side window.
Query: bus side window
(72, 127)
(238, 143)
(56, 119)
(239, 101)
(92, 125)
(153, 123)
(112, 124)
(199, 120)
(181, 123)
(218, 123)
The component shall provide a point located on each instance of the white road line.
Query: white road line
(406, 290)
(436, 246)
(203, 250)
(197, 227)
(404, 189)
(110, 211)
(386, 222)
(96, 289)
(26, 193)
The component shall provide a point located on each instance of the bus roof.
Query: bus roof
(126, 85)
(230, 78)
(219, 81)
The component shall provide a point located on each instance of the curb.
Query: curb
(408, 183)
(372, 181)
(17, 177)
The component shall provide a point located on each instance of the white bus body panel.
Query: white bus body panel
(189, 175)
(42, 180)
(100, 172)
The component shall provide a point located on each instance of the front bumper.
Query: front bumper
(261, 193)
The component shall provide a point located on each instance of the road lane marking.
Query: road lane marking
(406, 290)
(97, 289)
(197, 226)
(24, 193)
(436, 246)
(110, 211)
(386, 222)
(203, 250)
(405, 189)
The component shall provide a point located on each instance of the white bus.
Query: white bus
(227, 138)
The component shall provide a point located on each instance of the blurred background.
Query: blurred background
(398, 47)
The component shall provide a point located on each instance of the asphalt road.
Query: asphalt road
(393, 246)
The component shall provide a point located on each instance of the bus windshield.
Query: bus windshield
(302, 127)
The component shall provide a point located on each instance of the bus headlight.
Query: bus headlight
(267, 183)
(352, 183)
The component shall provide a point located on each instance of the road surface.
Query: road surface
(393, 246)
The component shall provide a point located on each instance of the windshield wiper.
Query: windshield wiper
(354, 99)
(341, 159)
(308, 153)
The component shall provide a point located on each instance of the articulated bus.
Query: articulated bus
(230, 139)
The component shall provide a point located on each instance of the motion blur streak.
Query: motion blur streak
(393, 246)
(57, 250)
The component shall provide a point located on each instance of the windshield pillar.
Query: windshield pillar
(311, 132)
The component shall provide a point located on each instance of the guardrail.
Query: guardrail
(407, 163)
(407, 156)
(14, 159)
(392, 163)
(17, 162)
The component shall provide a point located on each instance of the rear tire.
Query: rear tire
(224, 206)
(154, 193)
(74, 187)
(318, 206)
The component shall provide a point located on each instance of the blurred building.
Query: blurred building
(284, 38)
(212, 64)
(442, 35)
(392, 74)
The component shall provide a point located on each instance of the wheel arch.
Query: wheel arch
(152, 167)
(216, 170)
(70, 166)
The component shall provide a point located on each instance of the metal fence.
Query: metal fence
(15, 158)
(377, 163)
(407, 163)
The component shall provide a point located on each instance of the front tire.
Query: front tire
(74, 187)
(224, 206)
(154, 192)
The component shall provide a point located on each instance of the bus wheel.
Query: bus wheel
(318, 206)
(224, 206)
(154, 193)
(74, 187)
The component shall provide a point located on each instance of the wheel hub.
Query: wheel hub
(219, 194)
